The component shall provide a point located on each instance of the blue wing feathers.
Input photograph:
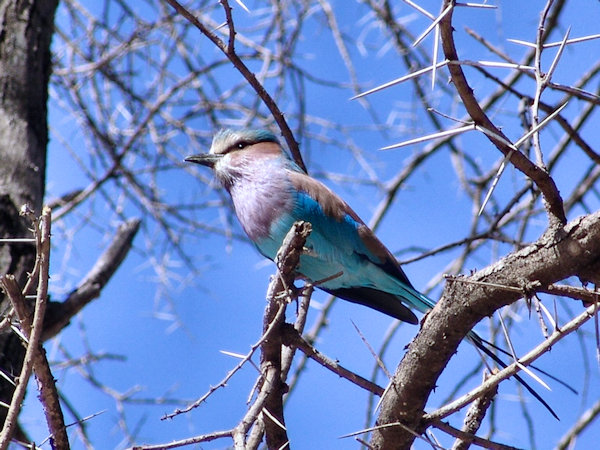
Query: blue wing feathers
(341, 243)
(337, 244)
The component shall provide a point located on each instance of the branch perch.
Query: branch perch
(272, 387)
(464, 304)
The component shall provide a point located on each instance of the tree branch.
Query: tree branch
(35, 356)
(229, 51)
(464, 304)
(537, 174)
(287, 260)
(272, 387)
(291, 337)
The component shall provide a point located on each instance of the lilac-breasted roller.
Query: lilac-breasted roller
(270, 192)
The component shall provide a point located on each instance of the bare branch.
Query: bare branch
(406, 400)
(537, 174)
(248, 75)
(291, 337)
(35, 357)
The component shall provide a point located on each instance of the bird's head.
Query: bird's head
(236, 153)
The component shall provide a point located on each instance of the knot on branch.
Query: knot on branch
(287, 259)
(292, 246)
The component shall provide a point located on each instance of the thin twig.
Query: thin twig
(35, 356)
(229, 51)
(291, 337)
(538, 175)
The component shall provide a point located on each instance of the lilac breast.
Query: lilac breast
(260, 197)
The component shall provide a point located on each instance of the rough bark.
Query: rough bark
(26, 29)
(552, 258)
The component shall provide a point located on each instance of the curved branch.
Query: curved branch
(538, 175)
(229, 51)
(463, 304)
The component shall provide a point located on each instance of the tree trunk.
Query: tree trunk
(26, 29)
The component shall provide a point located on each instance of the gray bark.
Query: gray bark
(26, 29)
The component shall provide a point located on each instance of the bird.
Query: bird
(270, 192)
(342, 255)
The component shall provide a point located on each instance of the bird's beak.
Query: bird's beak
(206, 159)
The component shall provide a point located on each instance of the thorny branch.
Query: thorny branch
(265, 415)
(292, 338)
(399, 404)
(493, 380)
(229, 50)
(35, 356)
(44, 325)
(534, 172)
(266, 410)
(272, 387)
(537, 173)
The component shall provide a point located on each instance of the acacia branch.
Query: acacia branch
(229, 50)
(513, 368)
(464, 304)
(265, 415)
(35, 356)
(287, 260)
(474, 418)
(268, 406)
(10, 286)
(292, 338)
(537, 174)
(483, 443)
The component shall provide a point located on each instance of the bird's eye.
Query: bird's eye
(240, 145)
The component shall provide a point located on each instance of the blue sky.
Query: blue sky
(166, 339)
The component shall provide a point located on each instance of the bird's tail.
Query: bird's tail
(424, 304)
(415, 299)
(486, 347)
